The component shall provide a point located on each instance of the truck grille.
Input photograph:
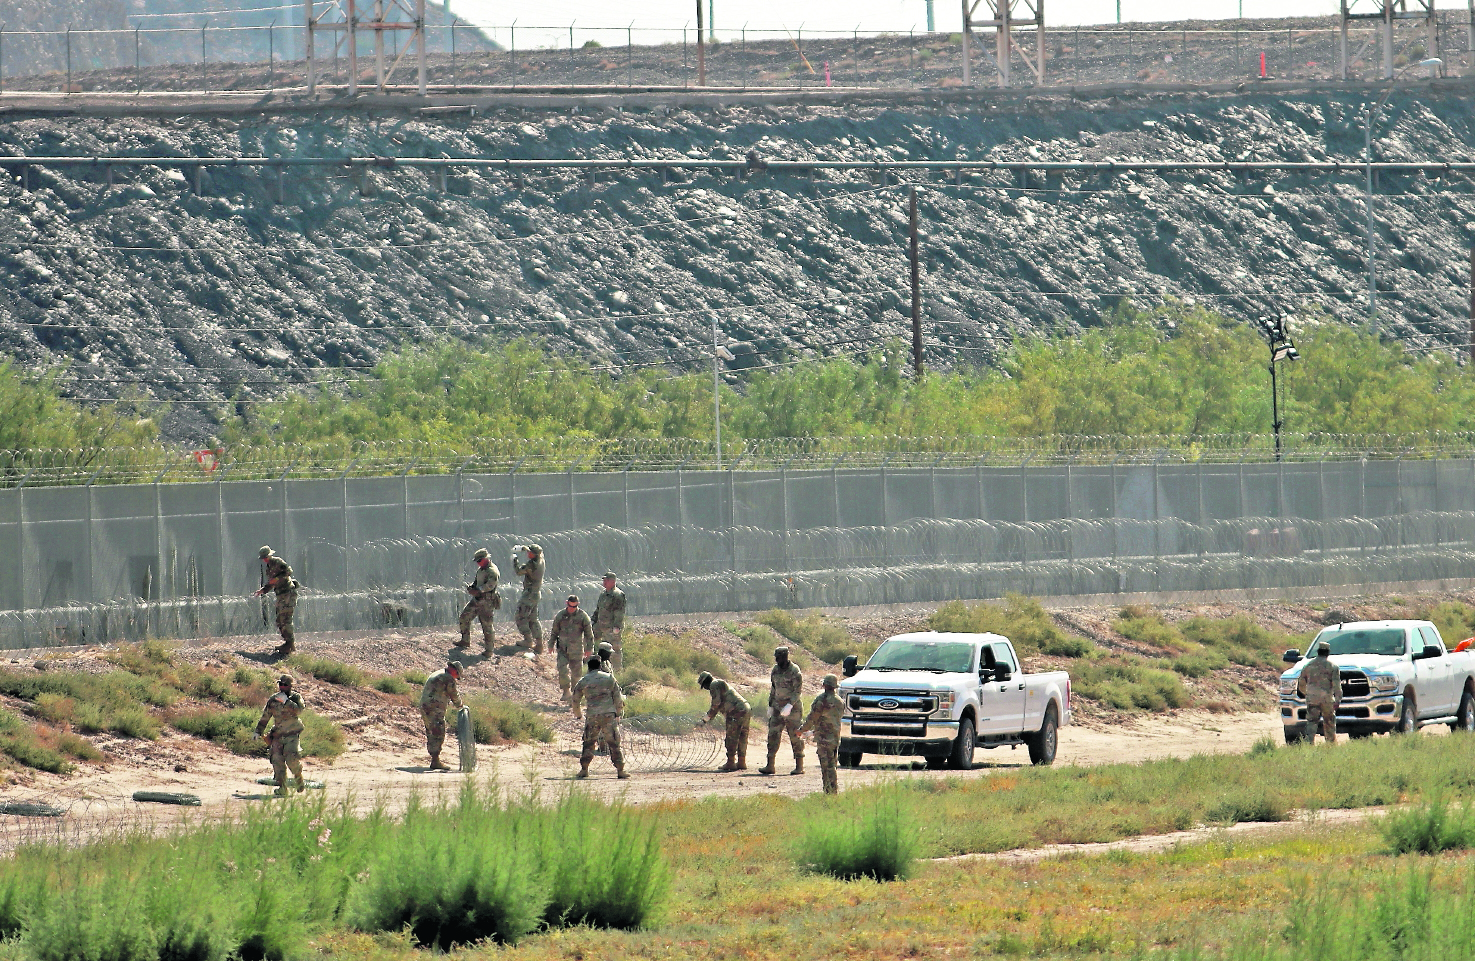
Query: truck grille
(1354, 684)
(868, 728)
(893, 703)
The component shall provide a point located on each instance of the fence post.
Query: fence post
(2, 81)
(204, 63)
(271, 52)
(137, 59)
(1362, 486)
(625, 474)
(220, 539)
(69, 91)
(629, 57)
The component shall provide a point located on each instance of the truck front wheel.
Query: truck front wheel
(1408, 718)
(962, 757)
(849, 758)
(1043, 742)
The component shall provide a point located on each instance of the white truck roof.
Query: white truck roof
(947, 636)
(1365, 624)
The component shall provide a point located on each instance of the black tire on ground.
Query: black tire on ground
(936, 763)
(850, 758)
(1408, 718)
(1296, 733)
(1465, 716)
(961, 758)
(1042, 743)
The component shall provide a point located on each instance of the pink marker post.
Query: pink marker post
(1262, 65)
(827, 73)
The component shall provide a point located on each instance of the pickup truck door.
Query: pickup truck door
(1002, 702)
(1435, 675)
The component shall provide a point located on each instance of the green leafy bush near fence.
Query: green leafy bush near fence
(496, 720)
(824, 637)
(666, 659)
(1428, 828)
(759, 641)
(879, 843)
(1128, 684)
(1201, 645)
(264, 884)
(1021, 619)
(328, 670)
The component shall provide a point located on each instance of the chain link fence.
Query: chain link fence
(206, 56)
(105, 563)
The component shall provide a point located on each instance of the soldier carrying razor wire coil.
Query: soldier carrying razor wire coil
(279, 580)
(824, 721)
(737, 716)
(439, 692)
(484, 601)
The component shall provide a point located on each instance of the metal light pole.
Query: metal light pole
(1372, 117)
(719, 353)
(1281, 348)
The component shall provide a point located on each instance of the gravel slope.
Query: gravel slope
(145, 285)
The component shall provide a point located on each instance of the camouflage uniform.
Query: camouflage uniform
(601, 720)
(1321, 682)
(569, 632)
(438, 694)
(738, 715)
(527, 605)
(609, 622)
(785, 686)
(279, 580)
(824, 721)
(283, 712)
(484, 600)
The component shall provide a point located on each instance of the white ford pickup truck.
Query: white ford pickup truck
(942, 695)
(1396, 676)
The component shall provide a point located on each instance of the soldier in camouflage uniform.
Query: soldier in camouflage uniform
(609, 618)
(439, 693)
(484, 600)
(280, 581)
(736, 712)
(1321, 684)
(606, 702)
(532, 592)
(570, 631)
(283, 712)
(605, 652)
(785, 710)
(824, 721)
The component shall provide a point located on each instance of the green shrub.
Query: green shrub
(1263, 746)
(216, 725)
(1021, 619)
(495, 720)
(1199, 665)
(392, 685)
(104, 922)
(100, 702)
(1428, 829)
(1251, 804)
(19, 741)
(605, 864)
(665, 659)
(1138, 624)
(1127, 684)
(1240, 640)
(825, 638)
(759, 642)
(328, 670)
(1455, 621)
(881, 844)
(416, 678)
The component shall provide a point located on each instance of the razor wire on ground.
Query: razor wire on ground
(919, 561)
(43, 819)
(655, 743)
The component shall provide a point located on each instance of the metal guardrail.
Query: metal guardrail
(125, 465)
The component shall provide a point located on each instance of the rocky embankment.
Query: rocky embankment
(203, 298)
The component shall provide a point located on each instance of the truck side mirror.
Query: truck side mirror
(848, 666)
(1430, 650)
(1292, 656)
(1002, 672)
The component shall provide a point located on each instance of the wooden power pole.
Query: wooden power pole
(701, 49)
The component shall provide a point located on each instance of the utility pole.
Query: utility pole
(716, 397)
(916, 287)
(701, 49)
(1472, 305)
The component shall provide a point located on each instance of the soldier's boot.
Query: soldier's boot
(742, 761)
(798, 764)
(288, 645)
(768, 768)
(488, 641)
(731, 764)
(465, 641)
(583, 771)
(435, 764)
(281, 790)
(620, 773)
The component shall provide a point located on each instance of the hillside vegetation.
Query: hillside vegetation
(1180, 372)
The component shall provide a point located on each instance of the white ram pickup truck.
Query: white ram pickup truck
(1396, 676)
(942, 695)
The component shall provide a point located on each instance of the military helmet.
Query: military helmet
(1323, 648)
(480, 555)
(605, 649)
(264, 551)
(781, 649)
(535, 548)
(285, 679)
(831, 681)
(573, 599)
(704, 680)
(454, 666)
(610, 575)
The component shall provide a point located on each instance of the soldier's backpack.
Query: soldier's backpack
(466, 740)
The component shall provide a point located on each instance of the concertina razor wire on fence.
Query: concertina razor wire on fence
(142, 465)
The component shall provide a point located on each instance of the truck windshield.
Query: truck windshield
(952, 657)
(1379, 640)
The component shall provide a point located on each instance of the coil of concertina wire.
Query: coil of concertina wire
(655, 743)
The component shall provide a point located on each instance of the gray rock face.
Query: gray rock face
(143, 285)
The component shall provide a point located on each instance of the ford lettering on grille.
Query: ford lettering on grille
(888, 704)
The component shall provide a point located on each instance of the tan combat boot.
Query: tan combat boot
(768, 768)
(798, 765)
(620, 773)
(464, 642)
(435, 764)
(583, 771)
(742, 761)
(731, 764)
